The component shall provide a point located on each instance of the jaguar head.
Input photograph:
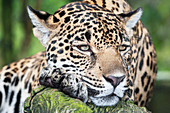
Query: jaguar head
(92, 43)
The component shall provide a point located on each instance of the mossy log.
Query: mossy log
(48, 100)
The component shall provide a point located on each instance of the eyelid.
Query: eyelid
(77, 43)
(125, 45)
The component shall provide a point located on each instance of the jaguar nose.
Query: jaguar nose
(115, 81)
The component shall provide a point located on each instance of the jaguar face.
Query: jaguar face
(90, 42)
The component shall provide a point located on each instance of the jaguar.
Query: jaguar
(96, 50)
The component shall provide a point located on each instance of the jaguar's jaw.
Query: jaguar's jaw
(110, 100)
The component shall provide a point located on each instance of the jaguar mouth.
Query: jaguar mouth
(111, 94)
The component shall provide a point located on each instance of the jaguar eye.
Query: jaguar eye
(84, 47)
(122, 48)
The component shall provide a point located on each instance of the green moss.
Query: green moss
(47, 100)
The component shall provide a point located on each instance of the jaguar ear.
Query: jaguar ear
(41, 27)
(132, 18)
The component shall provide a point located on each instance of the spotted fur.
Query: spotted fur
(96, 50)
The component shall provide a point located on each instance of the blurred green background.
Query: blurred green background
(17, 40)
